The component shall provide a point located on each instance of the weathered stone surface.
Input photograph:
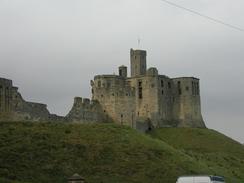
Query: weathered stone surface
(14, 108)
(144, 101)
(150, 96)
(84, 111)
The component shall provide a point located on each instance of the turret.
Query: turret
(187, 104)
(138, 62)
(123, 71)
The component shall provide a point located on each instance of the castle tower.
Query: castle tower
(138, 62)
(187, 105)
(5, 95)
(123, 71)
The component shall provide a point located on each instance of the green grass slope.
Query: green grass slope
(219, 153)
(107, 153)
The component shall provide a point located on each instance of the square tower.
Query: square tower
(138, 62)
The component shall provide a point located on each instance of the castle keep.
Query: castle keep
(143, 100)
(148, 98)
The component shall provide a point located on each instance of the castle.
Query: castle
(143, 100)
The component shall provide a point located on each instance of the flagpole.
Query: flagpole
(139, 42)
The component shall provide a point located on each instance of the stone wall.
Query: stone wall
(23, 110)
(187, 104)
(84, 110)
(149, 97)
(116, 98)
(145, 100)
(166, 101)
(15, 108)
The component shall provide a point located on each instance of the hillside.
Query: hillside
(221, 154)
(51, 152)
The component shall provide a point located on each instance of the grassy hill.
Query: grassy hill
(221, 154)
(107, 153)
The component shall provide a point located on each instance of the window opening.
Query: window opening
(169, 85)
(140, 93)
(180, 92)
(162, 83)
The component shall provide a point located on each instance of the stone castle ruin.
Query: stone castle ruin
(14, 108)
(143, 100)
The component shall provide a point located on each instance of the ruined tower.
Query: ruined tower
(138, 61)
(148, 99)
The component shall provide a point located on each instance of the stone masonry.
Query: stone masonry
(143, 100)
(147, 99)
(14, 108)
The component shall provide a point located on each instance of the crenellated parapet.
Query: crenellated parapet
(86, 110)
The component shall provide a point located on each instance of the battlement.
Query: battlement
(152, 71)
(85, 110)
(107, 76)
(187, 86)
(183, 78)
(138, 52)
(82, 102)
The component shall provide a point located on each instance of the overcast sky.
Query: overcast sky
(51, 49)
